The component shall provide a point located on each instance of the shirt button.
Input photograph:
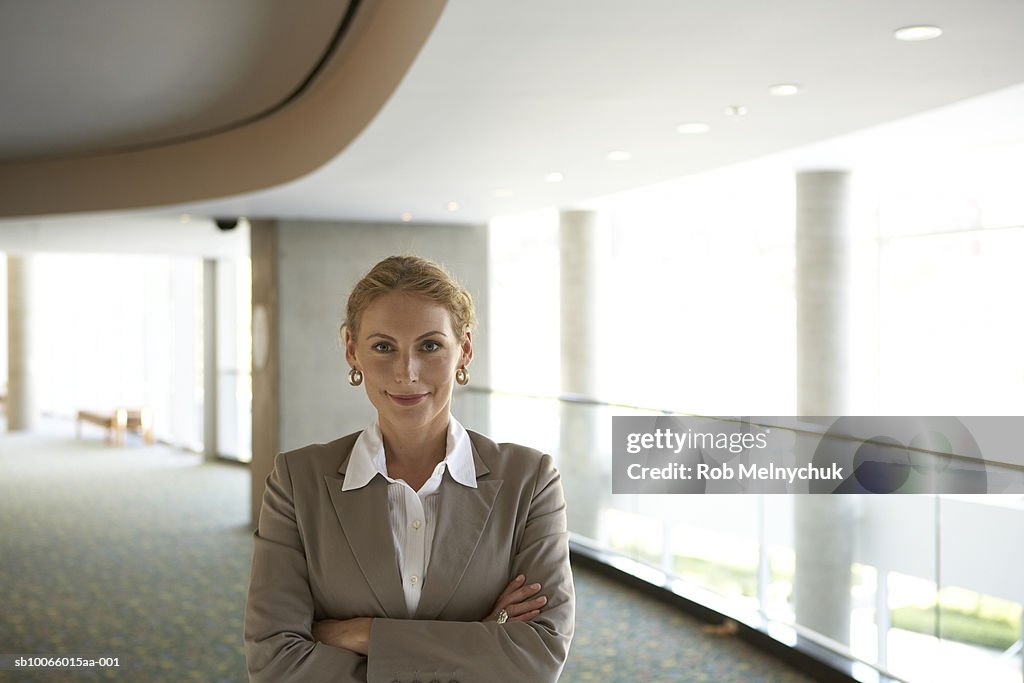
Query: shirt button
(416, 524)
(413, 580)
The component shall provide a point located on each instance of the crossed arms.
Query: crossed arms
(284, 640)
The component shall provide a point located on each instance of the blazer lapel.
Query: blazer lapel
(461, 520)
(363, 514)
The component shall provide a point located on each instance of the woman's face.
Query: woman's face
(408, 354)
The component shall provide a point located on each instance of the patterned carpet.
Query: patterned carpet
(143, 554)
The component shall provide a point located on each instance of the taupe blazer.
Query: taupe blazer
(320, 553)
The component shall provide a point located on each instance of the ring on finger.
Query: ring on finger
(502, 615)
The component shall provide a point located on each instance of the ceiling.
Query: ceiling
(88, 77)
(501, 93)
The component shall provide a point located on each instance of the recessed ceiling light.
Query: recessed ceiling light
(554, 177)
(453, 206)
(736, 111)
(185, 217)
(693, 128)
(503, 192)
(784, 89)
(917, 33)
(619, 155)
(406, 217)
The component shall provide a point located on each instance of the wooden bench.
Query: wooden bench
(118, 422)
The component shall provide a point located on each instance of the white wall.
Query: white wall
(318, 263)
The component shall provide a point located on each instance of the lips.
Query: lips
(407, 399)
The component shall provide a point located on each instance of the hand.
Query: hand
(350, 634)
(517, 599)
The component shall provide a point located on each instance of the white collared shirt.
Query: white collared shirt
(413, 514)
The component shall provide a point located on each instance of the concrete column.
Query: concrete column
(318, 264)
(823, 292)
(579, 248)
(210, 359)
(302, 272)
(883, 618)
(265, 362)
(21, 401)
(825, 525)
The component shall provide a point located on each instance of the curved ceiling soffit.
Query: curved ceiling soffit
(373, 55)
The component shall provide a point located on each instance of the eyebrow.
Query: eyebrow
(432, 333)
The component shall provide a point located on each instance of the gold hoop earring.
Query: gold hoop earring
(355, 377)
(462, 376)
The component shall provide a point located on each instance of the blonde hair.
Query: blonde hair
(415, 276)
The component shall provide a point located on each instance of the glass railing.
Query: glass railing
(922, 587)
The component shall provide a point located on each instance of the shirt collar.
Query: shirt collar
(367, 458)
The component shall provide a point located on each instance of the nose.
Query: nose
(406, 371)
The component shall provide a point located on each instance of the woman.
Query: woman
(413, 550)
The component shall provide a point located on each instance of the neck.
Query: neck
(420, 447)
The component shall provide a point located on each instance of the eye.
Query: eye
(431, 346)
(381, 347)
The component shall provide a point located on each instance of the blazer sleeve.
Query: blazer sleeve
(406, 650)
(279, 644)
